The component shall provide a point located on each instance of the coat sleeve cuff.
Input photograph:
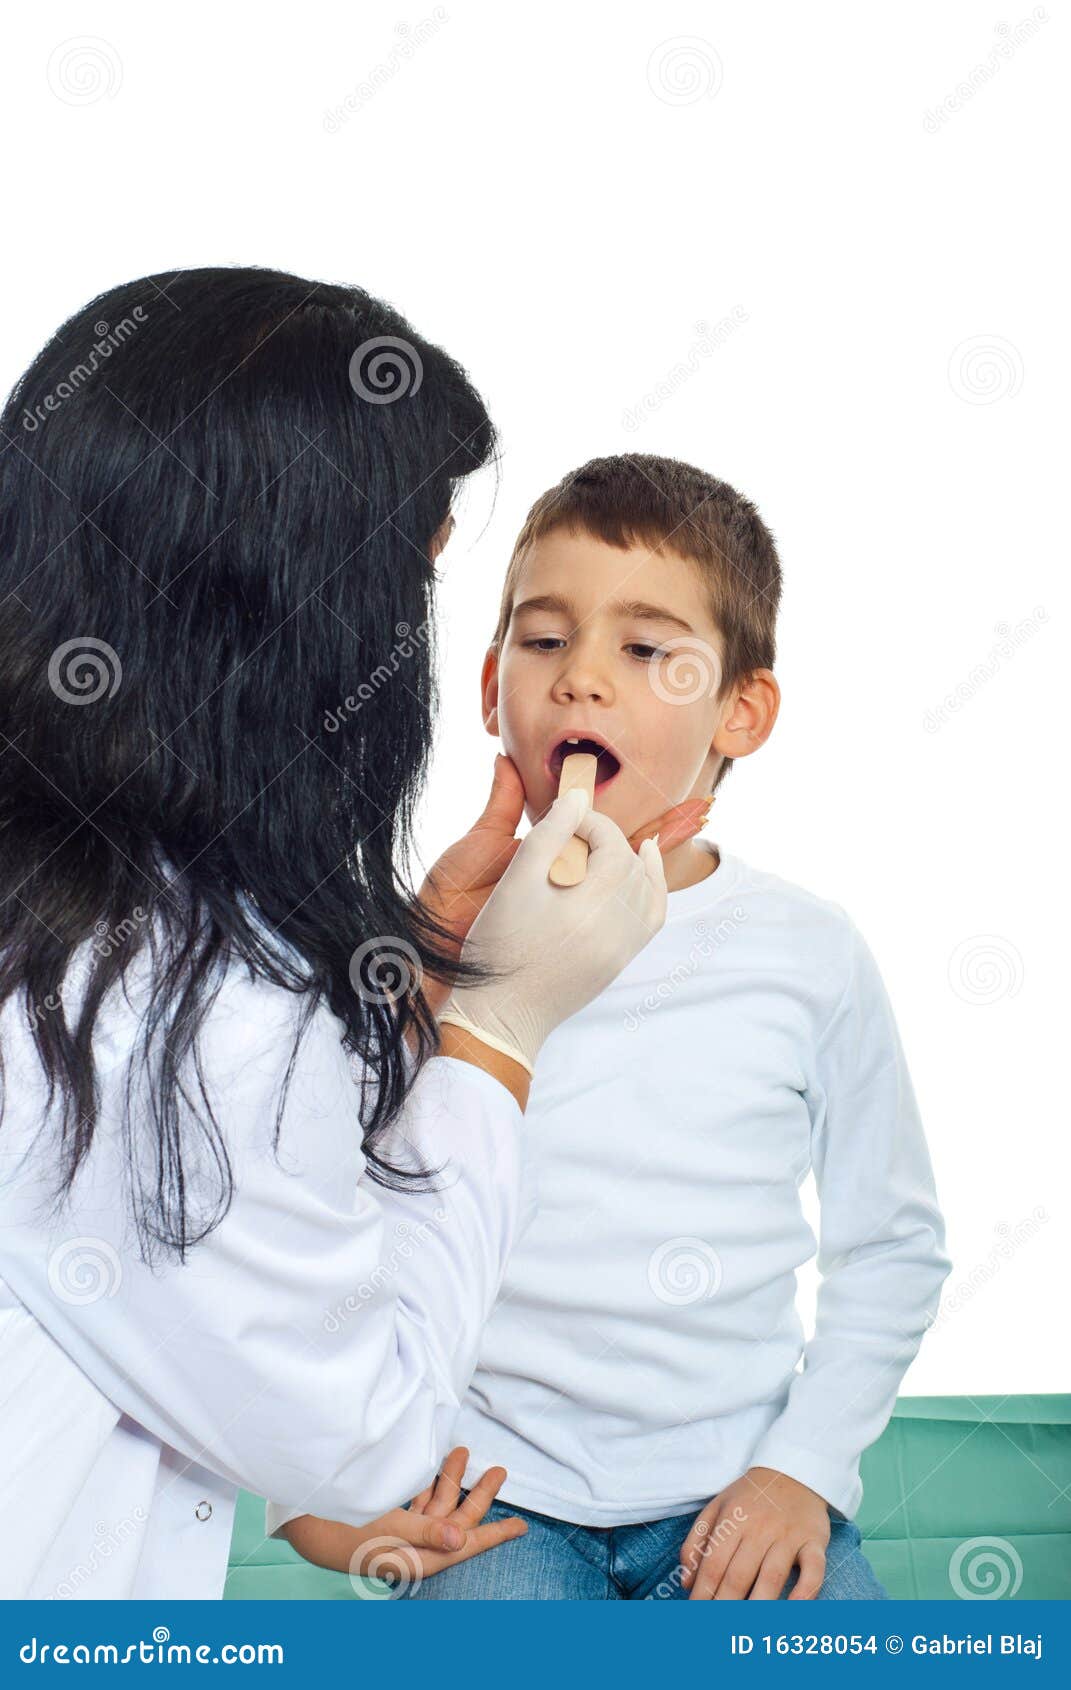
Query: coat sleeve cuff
(837, 1481)
(276, 1516)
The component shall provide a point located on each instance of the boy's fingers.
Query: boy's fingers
(773, 1575)
(735, 1582)
(812, 1560)
(448, 1484)
(481, 1496)
(711, 1562)
(694, 1545)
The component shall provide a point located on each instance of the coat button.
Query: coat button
(203, 1510)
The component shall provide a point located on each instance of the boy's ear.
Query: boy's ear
(750, 720)
(489, 692)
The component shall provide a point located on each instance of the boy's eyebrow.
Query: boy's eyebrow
(635, 609)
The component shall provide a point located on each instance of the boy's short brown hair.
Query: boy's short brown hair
(634, 499)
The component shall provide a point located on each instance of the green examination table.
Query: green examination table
(964, 1497)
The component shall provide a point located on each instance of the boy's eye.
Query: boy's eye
(647, 652)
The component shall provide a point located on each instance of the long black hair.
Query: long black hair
(218, 493)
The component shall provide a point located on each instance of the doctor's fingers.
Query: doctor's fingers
(481, 1539)
(480, 1498)
(612, 862)
(452, 1471)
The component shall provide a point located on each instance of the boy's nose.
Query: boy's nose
(583, 679)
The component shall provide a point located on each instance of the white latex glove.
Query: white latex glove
(557, 947)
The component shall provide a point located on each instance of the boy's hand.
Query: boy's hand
(460, 882)
(747, 1540)
(437, 1530)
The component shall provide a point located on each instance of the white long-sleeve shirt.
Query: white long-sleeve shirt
(642, 1354)
(313, 1348)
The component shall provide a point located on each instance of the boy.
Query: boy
(637, 1377)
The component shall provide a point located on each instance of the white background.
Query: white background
(562, 195)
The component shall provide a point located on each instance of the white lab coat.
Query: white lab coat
(313, 1349)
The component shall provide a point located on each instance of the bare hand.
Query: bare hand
(746, 1541)
(407, 1545)
(437, 1530)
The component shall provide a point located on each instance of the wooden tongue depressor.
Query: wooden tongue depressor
(570, 868)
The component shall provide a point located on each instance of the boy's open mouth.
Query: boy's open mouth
(608, 765)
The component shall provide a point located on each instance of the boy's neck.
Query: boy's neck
(688, 864)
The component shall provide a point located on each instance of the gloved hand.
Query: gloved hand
(556, 947)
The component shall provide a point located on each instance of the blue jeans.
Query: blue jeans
(559, 1561)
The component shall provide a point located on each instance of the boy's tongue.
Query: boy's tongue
(608, 765)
